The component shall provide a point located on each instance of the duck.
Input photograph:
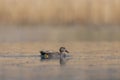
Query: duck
(46, 54)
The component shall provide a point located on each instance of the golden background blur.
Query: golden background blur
(62, 20)
(60, 12)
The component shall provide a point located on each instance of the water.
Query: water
(81, 66)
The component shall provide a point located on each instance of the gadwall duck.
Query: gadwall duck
(51, 54)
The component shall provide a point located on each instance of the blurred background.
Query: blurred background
(59, 20)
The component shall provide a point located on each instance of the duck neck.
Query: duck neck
(62, 54)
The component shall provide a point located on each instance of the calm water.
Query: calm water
(81, 66)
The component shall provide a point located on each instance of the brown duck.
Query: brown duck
(50, 54)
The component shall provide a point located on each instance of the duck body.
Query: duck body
(45, 54)
(49, 54)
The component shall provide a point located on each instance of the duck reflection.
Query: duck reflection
(63, 61)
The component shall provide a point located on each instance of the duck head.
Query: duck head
(63, 49)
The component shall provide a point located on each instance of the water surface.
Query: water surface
(81, 66)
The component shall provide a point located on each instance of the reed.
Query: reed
(59, 11)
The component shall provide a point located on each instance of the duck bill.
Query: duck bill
(67, 51)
